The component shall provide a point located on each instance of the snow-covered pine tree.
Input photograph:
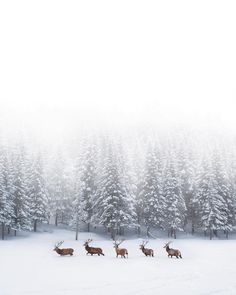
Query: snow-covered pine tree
(174, 207)
(210, 201)
(76, 200)
(113, 207)
(6, 199)
(225, 190)
(38, 193)
(187, 168)
(59, 190)
(88, 185)
(21, 200)
(149, 200)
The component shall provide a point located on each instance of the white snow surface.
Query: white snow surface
(30, 267)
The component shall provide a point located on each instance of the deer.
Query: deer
(92, 250)
(146, 251)
(120, 251)
(63, 251)
(172, 252)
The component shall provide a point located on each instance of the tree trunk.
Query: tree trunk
(35, 225)
(148, 228)
(113, 233)
(88, 228)
(174, 233)
(15, 232)
(227, 234)
(77, 230)
(3, 230)
(193, 229)
(9, 230)
(138, 230)
(210, 234)
(56, 219)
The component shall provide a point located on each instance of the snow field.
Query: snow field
(29, 266)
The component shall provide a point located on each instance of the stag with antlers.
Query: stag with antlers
(172, 252)
(92, 250)
(120, 251)
(63, 251)
(146, 251)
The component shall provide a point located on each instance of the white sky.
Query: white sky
(64, 63)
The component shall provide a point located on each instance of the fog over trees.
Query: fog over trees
(121, 183)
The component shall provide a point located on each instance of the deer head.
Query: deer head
(144, 243)
(58, 245)
(87, 242)
(167, 244)
(117, 244)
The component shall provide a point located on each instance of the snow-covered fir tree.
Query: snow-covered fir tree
(173, 206)
(187, 167)
(149, 199)
(88, 183)
(225, 190)
(6, 197)
(114, 207)
(211, 199)
(59, 190)
(21, 199)
(38, 193)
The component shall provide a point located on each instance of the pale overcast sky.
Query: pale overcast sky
(117, 62)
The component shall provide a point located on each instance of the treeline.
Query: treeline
(171, 183)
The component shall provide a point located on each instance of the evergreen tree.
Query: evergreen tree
(88, 185)
(38, 193)
(211, 199)
(173, 202)
(114, 206)
(59, 190)
(6, 200)
(151, 191)
(21, 200)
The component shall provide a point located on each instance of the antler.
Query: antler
(59, 244)
(145, 243)
(121, 241)
(88, 241)
(118, 243)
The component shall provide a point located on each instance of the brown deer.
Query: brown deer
(64, 251)
(172, 252)
(146, 251)
(120, 251)
(92, 250)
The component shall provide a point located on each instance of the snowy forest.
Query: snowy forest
(176, 181)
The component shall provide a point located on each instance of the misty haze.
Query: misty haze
(117, 140)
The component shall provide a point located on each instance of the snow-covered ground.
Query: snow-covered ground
(28, 266)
